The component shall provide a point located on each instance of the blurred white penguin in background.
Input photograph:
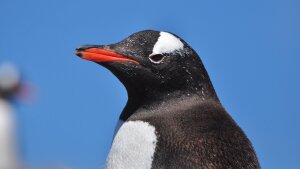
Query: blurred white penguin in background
(10, 85)
(13, 88)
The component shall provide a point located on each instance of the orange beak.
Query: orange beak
(102, 55)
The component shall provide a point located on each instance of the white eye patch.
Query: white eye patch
(167, 43)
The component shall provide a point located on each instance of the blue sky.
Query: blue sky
(250, 49)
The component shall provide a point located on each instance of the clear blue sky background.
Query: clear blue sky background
(250, 49)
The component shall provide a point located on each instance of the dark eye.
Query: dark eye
(157, 58)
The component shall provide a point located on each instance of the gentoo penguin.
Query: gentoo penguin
(173, 118)
(9, 85)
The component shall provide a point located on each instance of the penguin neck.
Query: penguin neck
(137, 98)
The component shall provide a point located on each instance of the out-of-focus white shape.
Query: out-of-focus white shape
(8, 151)
(9, 76)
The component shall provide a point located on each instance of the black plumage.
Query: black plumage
(176, 96)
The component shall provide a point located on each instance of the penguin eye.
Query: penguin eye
(157, 58)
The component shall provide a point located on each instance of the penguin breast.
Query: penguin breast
(133, 146)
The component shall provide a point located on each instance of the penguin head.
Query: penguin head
(150, 61)
(10, 81)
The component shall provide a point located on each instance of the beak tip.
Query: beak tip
(78, 53)
(79, 50)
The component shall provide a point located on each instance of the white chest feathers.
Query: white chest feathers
(133, 146)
